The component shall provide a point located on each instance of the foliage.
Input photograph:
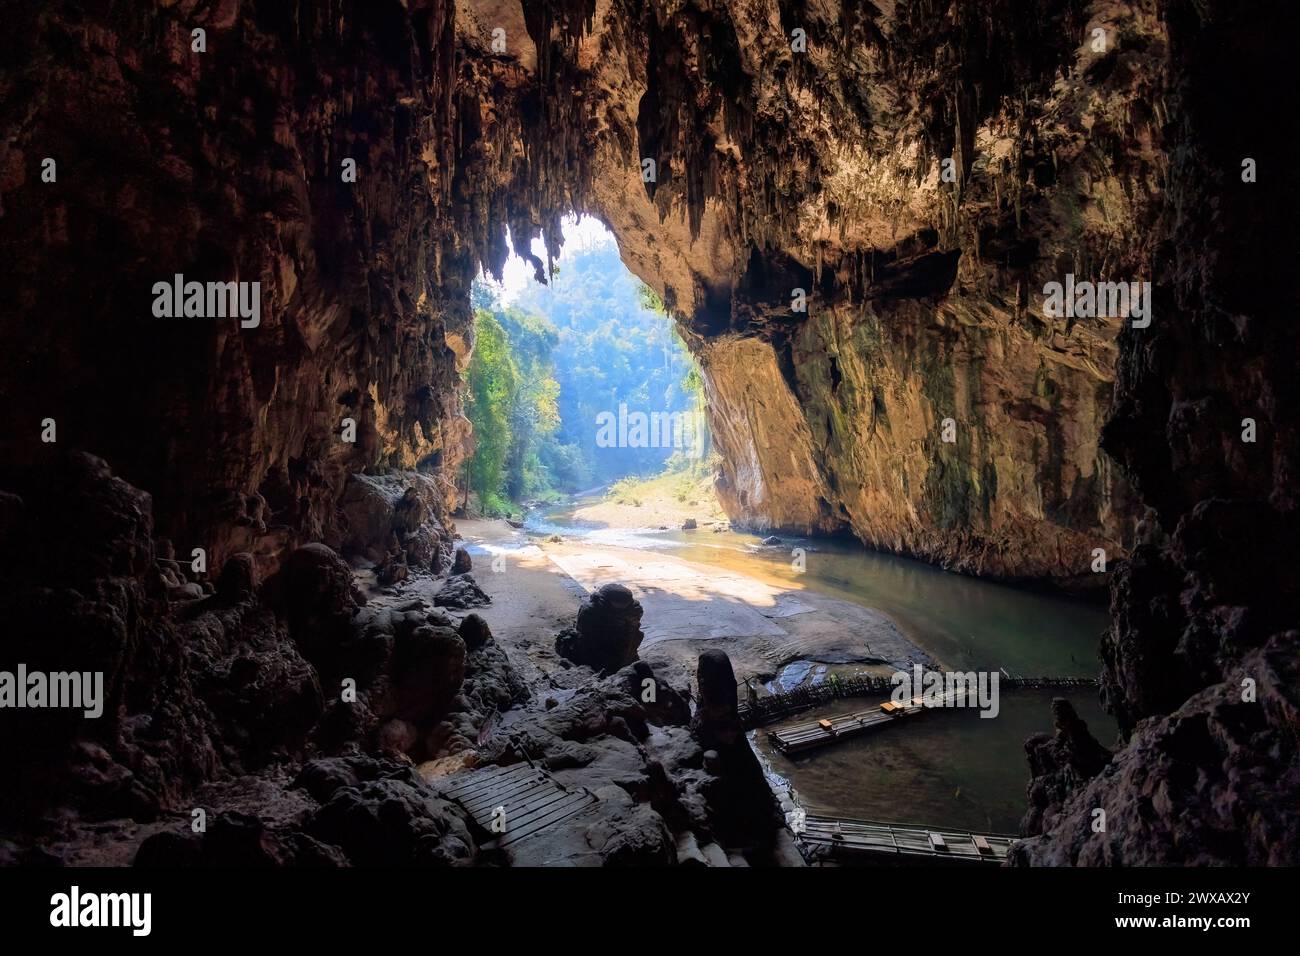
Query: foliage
(492, 382)
(649, 299)
(495, 505)
(616, 346)
(624, 491)
(544, 369)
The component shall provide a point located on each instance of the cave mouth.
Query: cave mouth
(593, 344)
(240, 514)
(579, 384)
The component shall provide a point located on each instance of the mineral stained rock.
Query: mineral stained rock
(461, 592)
(740, 791)
(399, 518)
(845, 295)
(1200, 662)
(717, 718)
(221, 685)
(854, 239)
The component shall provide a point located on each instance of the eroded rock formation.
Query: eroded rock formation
(821, 169)
(226, 165)
(607, 632)
(1200, 663)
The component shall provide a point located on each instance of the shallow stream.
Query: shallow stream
(945, 768)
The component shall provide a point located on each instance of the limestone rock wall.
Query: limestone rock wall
(776, 169)
(226, 165)
(1200, 663)
(822, 169)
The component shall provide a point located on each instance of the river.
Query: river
(951, 768)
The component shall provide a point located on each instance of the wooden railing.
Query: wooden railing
(775, 707)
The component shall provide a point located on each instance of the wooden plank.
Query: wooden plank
(483, 780)
(505, 796)
(476, 778)
(491, 801)
(518, 815)
(499, 783)
(503, 786)
(540, 810)
(536, 799)
(532, 798)
(537, 826)
(575, 804)
(856, 836)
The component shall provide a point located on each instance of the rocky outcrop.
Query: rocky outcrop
(461, 592)
(919, 173)
(717, 720)
(189, 688)
(238, 679)
(361, 811)
(1060, 762)
(739, 791)
(625, 738)
(607, 633)
(235, 173)
(396, 518)
(1210, 784)
(855, 236)
(1199, 664)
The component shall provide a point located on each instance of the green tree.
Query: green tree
(534, 411)
(592, 340)
(616, 347)
(492, 381)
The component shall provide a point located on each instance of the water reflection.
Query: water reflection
(947, 768)
(966, 622)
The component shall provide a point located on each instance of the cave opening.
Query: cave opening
(561, 369)
(342, 528)
(581, 386)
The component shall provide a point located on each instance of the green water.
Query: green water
(967, 623)
(946, 767)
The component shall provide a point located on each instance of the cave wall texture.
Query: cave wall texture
(1206, 613)
(775, 170)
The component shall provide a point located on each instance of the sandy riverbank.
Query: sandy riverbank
(689, 607)
(666, 501)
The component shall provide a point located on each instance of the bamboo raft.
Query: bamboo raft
(776, 707)
(819, 733)
(847, 839)
(519, 800)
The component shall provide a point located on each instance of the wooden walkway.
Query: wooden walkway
(819, 733)
(523, 798)
(861, 839)
(774, 707)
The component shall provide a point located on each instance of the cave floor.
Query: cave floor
(536, 591)
(689, 607)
